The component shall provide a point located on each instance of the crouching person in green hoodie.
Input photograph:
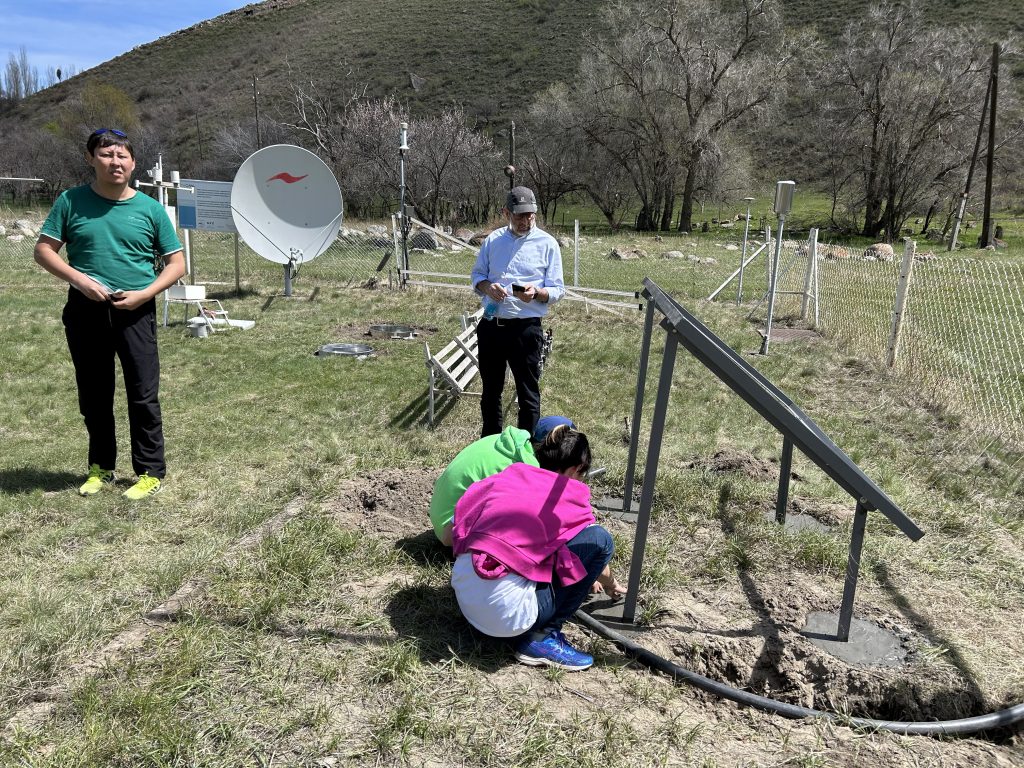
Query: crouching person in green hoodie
(487, 456)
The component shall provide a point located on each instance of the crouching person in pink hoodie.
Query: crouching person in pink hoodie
(528, 550)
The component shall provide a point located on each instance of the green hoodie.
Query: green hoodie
(487, 456)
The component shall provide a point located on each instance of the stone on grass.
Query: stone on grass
(627, 254)
(879, 252)
(424, 239)
(672, 255)
(832, 252)
(376, 230)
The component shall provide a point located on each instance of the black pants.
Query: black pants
(517, 344)
(96, 332)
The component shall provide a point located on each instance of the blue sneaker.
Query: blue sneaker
(554, 651)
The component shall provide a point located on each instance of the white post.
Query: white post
(743, 256)
(784, 191)
(956, 223)
(238, 275)
(576, 255)
(812, 258)
(186, 237)
(815, 282)
(902, 293)
(773, 277)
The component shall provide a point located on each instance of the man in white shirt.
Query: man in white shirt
(518, 274)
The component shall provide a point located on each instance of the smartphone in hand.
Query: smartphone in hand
(518, 288)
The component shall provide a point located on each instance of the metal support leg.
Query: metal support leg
(643, 522)
(785, 469)
(860, 519)
(638, 405)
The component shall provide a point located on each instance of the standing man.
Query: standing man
(518, 273)
(113, 236)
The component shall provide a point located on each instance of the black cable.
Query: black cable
(1000, 719)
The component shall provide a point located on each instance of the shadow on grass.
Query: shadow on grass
(415, 413)
(765, 669)
(230, 293)
(429, 616)
(953, 654)
(426, 550)
(28, 479)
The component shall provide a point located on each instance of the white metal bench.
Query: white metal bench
(453, 369)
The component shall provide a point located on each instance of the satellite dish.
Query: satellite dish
(286, 205)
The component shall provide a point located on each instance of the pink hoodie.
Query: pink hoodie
(522, 518)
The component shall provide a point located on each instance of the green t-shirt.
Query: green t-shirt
(487, 456)
(112, 241)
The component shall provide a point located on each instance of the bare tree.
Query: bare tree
(674, 76)
(447, 149)
(20, 78)
(899, 119)
(551, 157)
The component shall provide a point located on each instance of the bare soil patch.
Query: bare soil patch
(729, 460)
(745, 632)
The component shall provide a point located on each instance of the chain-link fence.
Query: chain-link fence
(358, 256)
(962, 330)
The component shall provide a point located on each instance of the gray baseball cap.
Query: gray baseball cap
(521, 200)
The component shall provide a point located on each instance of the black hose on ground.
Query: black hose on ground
(1001, 719)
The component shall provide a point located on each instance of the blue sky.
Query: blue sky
(84, 33)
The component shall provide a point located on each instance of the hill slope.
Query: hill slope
(492, 56)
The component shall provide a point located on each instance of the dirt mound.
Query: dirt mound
(392, 503)
(728, 460)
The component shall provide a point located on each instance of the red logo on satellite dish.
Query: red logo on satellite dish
(287, 178)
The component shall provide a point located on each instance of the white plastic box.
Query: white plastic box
(187, 292)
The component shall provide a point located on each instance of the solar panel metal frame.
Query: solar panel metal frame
(775, 407)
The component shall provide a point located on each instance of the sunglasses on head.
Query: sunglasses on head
(101, 131)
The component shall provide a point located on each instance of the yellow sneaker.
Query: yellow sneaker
(146, 486)
(97, 477)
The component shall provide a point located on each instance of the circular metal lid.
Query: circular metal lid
(352, 350)
(388, 331)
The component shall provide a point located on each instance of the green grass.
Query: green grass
(338, 638)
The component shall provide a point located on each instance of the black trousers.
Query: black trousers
(96, 332)
(518, 345)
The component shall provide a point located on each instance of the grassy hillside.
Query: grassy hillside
(492, 56)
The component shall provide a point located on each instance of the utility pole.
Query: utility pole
(970, 170)
(256, 105)
(986, 228)
(512, 155)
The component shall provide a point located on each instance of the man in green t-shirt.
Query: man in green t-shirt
(113, 236)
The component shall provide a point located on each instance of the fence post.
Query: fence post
(576, 255)
(812, 260)
(902, 292)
